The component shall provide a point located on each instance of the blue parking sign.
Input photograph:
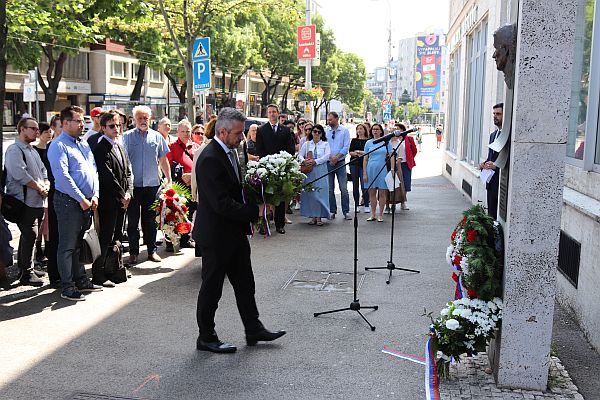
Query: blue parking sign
(202, 74)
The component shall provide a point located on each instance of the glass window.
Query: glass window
(134, 71)
(155, 75)
(118, 69)
(475, 95)
(453, 113)
(580, 79)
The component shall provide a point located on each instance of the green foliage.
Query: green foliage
(351, 80)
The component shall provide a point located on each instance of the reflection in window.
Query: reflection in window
(580, 80)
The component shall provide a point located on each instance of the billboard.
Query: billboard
(428, 74)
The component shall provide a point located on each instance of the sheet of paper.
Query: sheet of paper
(486, 174)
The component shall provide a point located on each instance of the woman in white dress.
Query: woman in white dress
(315, 151)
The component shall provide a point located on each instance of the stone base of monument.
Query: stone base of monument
(471, 379)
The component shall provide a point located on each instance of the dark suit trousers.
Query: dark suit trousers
(236, 265)
(492, 195)
(52, 243)
(279, 216)
(142, 200)
(112, 217)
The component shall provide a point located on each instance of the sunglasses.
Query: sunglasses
(34, 128)
(316, 131)
(197, 133)
(113, 126)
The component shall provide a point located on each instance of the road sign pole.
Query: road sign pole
(308, 72)
(37, 99)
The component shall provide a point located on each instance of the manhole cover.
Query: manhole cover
(97, 396)
(324, 281)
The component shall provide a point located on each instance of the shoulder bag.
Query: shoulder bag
(12, 208)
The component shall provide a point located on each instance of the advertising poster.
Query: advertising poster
(428, 72)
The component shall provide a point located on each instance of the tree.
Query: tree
(277, 57)
(372, 103)
(3, 65)
(351, 80)
(143, 39)
(53, 30)
(186, 20)
(415, 110)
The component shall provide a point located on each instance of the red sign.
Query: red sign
(307, 42)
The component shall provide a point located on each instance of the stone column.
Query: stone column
(540, 114)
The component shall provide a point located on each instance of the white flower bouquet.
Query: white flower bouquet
(273, 179)
(464, 327)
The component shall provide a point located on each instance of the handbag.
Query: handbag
(90, 245)
(397, 194)
(12, 208)
(307, 168)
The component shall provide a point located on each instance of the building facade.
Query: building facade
(474, 86)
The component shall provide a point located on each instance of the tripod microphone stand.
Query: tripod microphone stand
(355, 305)
(390, 263)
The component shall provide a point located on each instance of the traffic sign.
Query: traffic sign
(307, 42)
(28, 92)
(202, 74)
(201, 49)
(387, 116)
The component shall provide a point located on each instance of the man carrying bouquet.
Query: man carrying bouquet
(271, 138)
(222, 224)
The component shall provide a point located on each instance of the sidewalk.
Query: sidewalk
(138, 340)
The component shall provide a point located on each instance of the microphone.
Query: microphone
(387, 137)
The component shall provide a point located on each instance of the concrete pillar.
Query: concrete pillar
(539, 133)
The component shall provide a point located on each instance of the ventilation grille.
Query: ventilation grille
(468, 189)
(569, 252)
(448, 169)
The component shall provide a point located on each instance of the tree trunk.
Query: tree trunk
(179, 90)
(284, 98)
(136, 94)
(3, 36)
(53, 76)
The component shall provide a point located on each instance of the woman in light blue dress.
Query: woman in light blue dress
(372, 164)
(315, 151)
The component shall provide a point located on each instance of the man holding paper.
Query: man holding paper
(490, 173)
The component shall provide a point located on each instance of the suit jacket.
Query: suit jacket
(492, 156)
(269, 142)
(114, 175)
(222, 218)
(93, 140)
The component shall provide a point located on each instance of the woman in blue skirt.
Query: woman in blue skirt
(315, 151)
(372, 165)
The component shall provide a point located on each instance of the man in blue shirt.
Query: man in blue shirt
(147, 150)
(76, 197)
(338, 138)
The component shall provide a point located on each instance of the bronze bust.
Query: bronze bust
(505, 44)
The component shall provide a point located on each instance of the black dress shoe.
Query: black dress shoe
(263, 336)
(215, 347)
(187, 245)
(280, 230)
(262, 231)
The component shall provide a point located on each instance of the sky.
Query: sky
(361, 26)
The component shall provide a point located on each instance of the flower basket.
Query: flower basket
(171, 212)
(311, 94)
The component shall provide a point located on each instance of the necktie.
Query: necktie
(233, 159)
(274, 128)
(118, 153)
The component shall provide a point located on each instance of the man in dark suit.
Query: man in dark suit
(492, 185)
(223, 222)
(271, 138)
(116, 189)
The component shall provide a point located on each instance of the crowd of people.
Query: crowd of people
(110, 176)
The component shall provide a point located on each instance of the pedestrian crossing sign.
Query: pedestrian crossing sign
(201, 49)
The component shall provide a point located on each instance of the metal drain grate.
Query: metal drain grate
(98, 396)
(324, 281)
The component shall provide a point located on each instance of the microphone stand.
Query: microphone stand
(355, 304)
(390, 264)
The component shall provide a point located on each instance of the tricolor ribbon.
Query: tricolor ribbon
(431, 379)
(266, 221)
(415, 359)
(244, 201)
(457, 277)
